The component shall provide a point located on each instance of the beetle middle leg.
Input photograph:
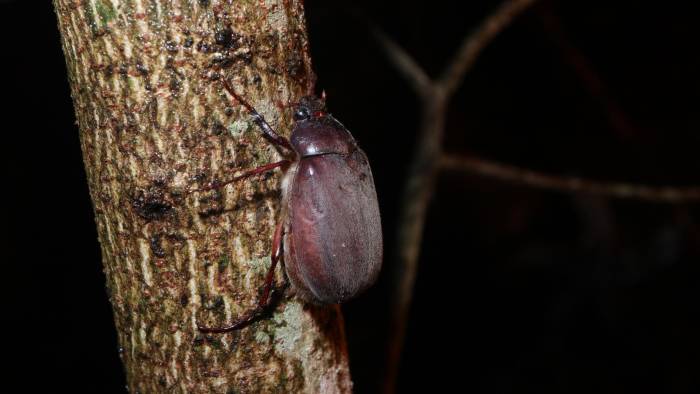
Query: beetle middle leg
(247, 174)
(265, 299)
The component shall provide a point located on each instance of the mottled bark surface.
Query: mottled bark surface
(154, 126)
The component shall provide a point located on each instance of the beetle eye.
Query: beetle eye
(302, 114)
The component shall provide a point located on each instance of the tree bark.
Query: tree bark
(155, 125)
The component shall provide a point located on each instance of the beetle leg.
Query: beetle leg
(268, 131)
(247, 174)
(274, 259)
(264, 301)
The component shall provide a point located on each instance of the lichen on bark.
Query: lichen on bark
(154, 126)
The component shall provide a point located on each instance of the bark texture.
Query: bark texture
(155, 125)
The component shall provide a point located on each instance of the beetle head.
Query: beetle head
(310, 107)
(317, 132)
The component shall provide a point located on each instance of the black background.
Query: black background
(519, 290)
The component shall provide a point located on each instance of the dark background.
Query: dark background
(519, 290)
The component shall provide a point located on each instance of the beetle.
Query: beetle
(329, 236)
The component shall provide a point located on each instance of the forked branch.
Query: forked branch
(435, 95)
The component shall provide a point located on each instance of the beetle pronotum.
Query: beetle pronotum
(329, 235)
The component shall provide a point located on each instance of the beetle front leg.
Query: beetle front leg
(264, 300)
(268, 131)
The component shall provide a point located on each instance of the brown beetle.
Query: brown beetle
(330, 230)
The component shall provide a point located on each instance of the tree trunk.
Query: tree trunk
(154, 126)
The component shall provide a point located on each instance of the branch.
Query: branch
(589, 77)
(425, 161)
(173, 260)
(474, 43)
(525, 177)
(404, 63)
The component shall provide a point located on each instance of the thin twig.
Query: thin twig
(474, 43)
(414, 74)
(590, 78)
(525, 177)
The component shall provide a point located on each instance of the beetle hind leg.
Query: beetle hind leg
(266, 298)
